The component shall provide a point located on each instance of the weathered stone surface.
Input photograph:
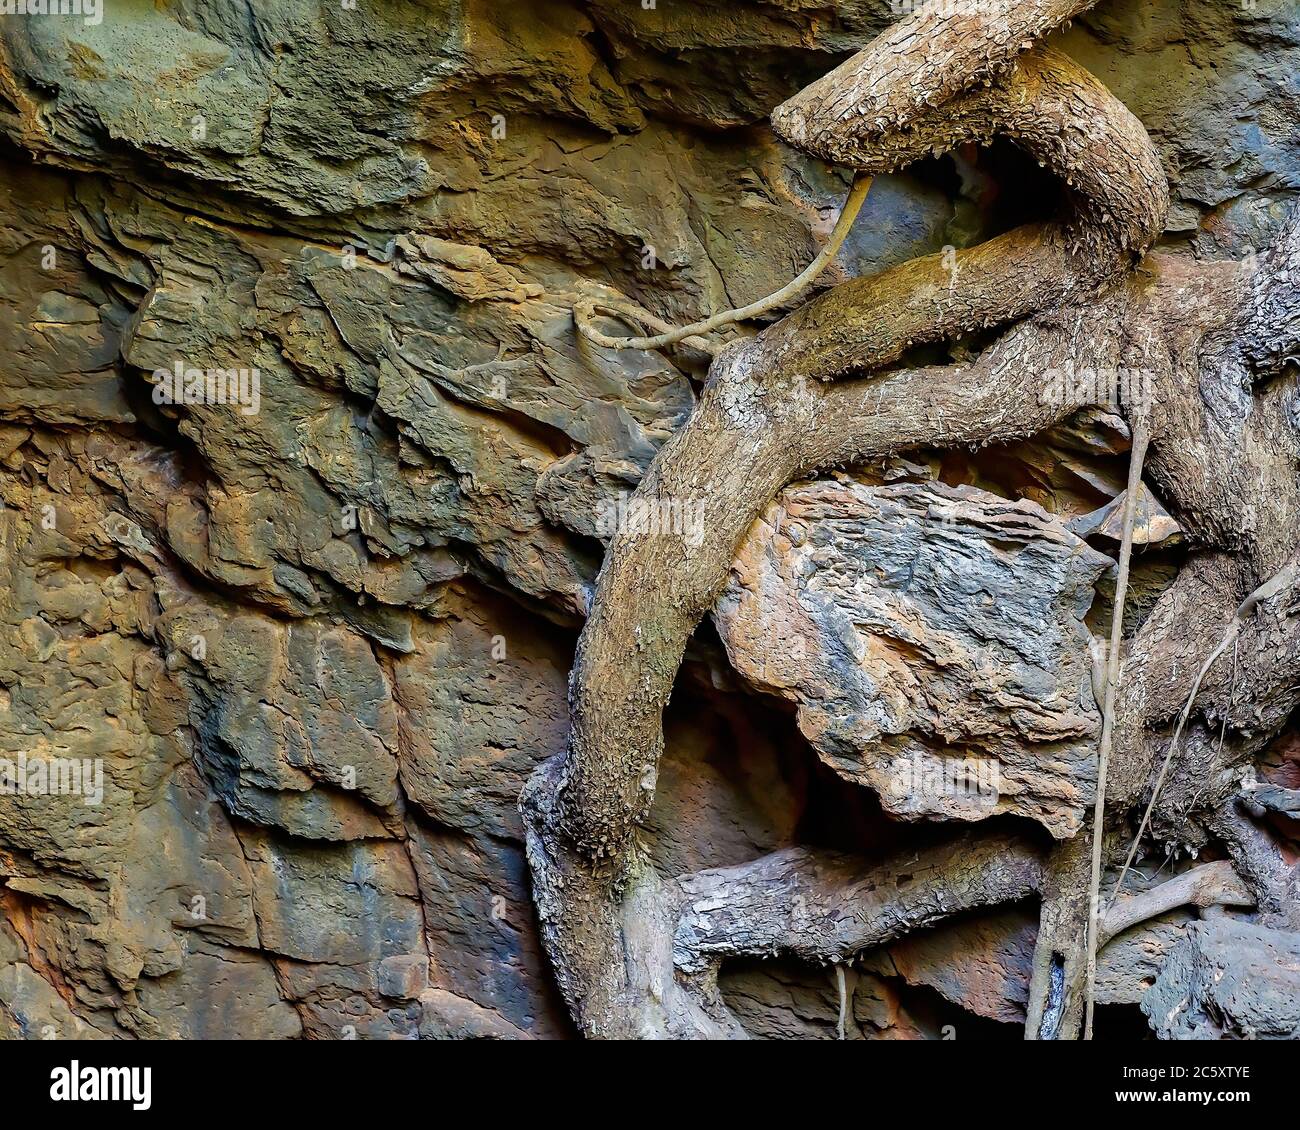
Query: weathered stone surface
(934, 641)
(403, 977)
(1129, 964)
(1228, 979)
(480, 925)
(31, 1008)
(786, 1001)
(482, 701)
(981, 963)
(341, 915)
(1151, 522)
(445, 1016)
(296, 725)
(730, 787)
(217, 992)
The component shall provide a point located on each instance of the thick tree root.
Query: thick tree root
(826, 908)
(1273, 882)
(1211, 884)
(766, 422)
(651, 956)
(1271, 588)
(1055, 1005)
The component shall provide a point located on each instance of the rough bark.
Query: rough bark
(827, 908)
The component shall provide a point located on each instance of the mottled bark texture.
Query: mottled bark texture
(829, 385)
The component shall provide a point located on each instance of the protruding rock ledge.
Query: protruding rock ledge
(934, 640)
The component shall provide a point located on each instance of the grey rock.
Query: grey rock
(1228, 980)
(933, 639)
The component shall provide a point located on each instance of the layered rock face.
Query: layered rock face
(934, 639)
(305, 475)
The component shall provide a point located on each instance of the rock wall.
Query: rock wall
(311, 640)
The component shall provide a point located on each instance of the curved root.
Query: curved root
(582, 313)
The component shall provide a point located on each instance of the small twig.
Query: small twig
(1280, 581)
(1141, 436)
(583, 311)
(1223, 726)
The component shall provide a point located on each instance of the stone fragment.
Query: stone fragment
(404, 977)
(1151, 521)
(933, 640)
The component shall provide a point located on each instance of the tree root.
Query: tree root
(762, 422)
(1059, 962)
(1136, 457)
(645, 964)
(1211, 884)
(1274, 884)
(825, 908)
(1276, 584)
(852, 206)
(637, 955)
(844, 1002)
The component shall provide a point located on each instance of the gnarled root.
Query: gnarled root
(1059, 965)
(826, 907)
(750, 434)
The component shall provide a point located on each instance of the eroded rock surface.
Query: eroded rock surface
(934, 641)
(1228, 979)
